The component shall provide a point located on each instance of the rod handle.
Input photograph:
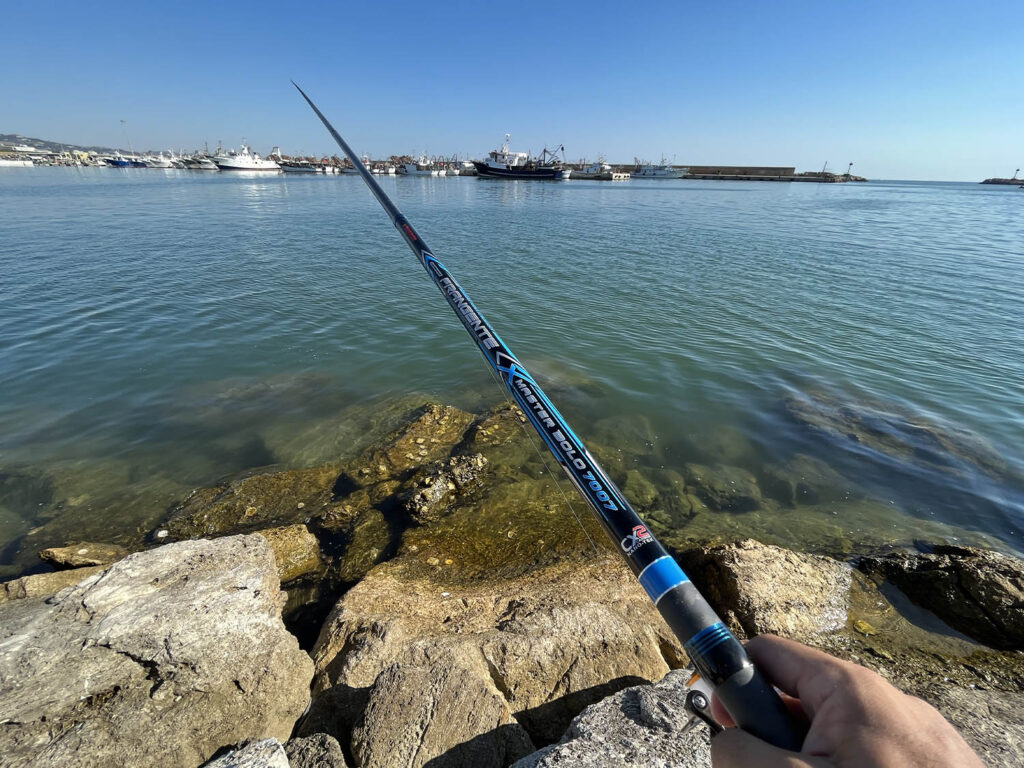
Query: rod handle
(758, 709)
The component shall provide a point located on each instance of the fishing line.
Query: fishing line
(715, 652)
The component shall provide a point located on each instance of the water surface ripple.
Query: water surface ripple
(141, 311)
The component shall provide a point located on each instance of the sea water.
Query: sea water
(161, 329)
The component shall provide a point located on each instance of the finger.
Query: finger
(734, 748)
(720, 714)
(810, 675)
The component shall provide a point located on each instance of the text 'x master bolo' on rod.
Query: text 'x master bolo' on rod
(716, 653)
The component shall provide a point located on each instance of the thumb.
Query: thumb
(734, 748)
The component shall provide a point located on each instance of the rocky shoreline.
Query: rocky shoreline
(431, 603)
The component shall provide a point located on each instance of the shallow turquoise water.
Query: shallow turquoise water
(163, 328)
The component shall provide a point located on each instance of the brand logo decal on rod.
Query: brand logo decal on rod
(636, 539)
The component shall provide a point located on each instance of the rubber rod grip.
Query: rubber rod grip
(757, 708)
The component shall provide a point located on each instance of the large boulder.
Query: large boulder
(642, 725)
(162, 659)
(759, 588)
(977, 592)
(550, 642)
(445, 712)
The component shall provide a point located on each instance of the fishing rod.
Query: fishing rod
(716, 653)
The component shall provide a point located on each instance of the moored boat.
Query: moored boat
(663, 170)
(7, 162)
(504, 164)
(599, 171)
(420, 167)
(297, 166)
(245, 161)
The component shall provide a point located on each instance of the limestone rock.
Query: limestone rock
(977, 592)
(989, 720)
(253, 501)
(316, 751)
(431, 435)
(44, 584)
(162, 659)
(295, 549)
(722, 487)
(552, 641)
(757, 588)
(444, 713)
(84, 554)
(431, 490)
(641, 725)
(266, 753)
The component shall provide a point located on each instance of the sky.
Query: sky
(902, 89)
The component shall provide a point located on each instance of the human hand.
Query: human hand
(857, 718)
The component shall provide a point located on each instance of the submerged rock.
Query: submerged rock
(891, 430)
(162, 659)
(642, 725)
(550, 643)
(727, 488)
(253, 501)
(805, 480)
(977, 592)
(757, 588)
(83, 554)
(433, 489)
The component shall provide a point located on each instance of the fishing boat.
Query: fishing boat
(599, 171)
(297, 166)
(645, 170)
(504, 164)
(420, 167)
(245, 161)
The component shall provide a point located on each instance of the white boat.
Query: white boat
(420, 168)
(245, 161)
(157, 161)
(7, 163)
(599, 171)
(644, 170)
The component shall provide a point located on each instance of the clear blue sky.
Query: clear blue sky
(903, 89)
